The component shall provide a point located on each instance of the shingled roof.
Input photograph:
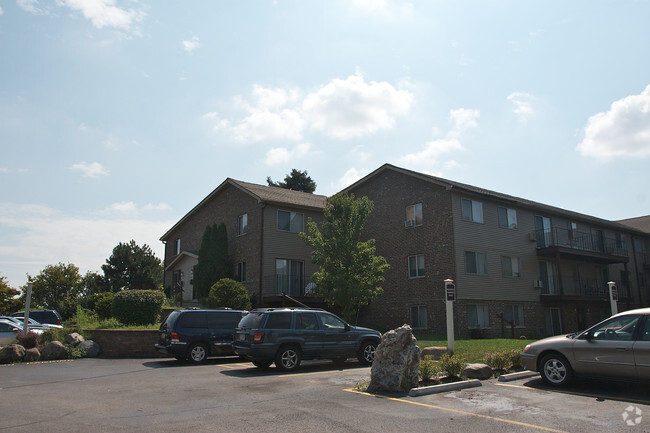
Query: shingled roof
(639, 223)
(263, 194)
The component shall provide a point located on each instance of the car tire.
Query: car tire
(367, 352)
(555, 369)
(197, 354)
(262, 364)
(288, 358)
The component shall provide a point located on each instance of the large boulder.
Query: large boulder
(12, 353)
(434, 352)
(32, 355)
(477, 371)
(53, 350)
(396, 364)
(90, 347)
(73, 339)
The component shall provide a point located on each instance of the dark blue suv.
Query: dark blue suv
(288, 335)
(195, 335)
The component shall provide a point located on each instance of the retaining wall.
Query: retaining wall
(122, 343)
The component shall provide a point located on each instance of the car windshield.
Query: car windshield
(251, 320)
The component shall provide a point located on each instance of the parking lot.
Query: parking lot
(158, 395)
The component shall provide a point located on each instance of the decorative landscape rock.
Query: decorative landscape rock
(12, 353)
(90, 347)
(477, 371)
(74, 339)
(396, 364)
(32, 355)
(434, 352)
(53, 350)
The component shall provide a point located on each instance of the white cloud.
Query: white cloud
(32, 6)
(35, 236)
(462, 120)
(351, 176)
(123, 207)
(383, 8)
(342, 109)
(1, 11)
(190, 45)
(523, 105)
(352, 108)
(92, 170)
(621, 132)
(283, 155)
(157, 207)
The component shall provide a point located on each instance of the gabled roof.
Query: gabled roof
(179, 257)
(263, 194)
(639, 223)
(470, 189)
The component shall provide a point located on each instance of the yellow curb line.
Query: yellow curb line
(581, 394)
(460, 412)
(37, 362)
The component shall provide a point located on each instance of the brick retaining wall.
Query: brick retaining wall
(122, 343)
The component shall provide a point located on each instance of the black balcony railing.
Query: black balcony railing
(577, 286)
(595, 243)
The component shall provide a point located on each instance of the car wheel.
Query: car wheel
(197, 353)
(262, 364)
(555, 369)
(367, 352)
(288, 358)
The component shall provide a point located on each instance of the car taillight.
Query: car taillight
(174, 337)
(258, 337)
(58, 322)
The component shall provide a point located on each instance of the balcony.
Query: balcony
(576, 245)
(290, 285)
(577, 288)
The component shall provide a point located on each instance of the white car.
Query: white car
(8, 331)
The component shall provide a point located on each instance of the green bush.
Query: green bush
(58, 334)
(498, 360)
(138, 307)
(515, 358)
(453, 365)
(101, 303)
(74, 352)
(429, 368)
(229, 293)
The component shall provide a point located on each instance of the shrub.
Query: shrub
(429, 368)
(138, 307)
(28, 341)
(498, 360)
(101, 304)
(74, 352)
(58, 334)
(453, 365)
(515, 358)
(229, 293)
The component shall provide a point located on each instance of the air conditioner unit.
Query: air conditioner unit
(409, 223)
(538, 284)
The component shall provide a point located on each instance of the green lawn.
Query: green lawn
(475, 350)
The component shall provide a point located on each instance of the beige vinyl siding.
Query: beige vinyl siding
(495, 242)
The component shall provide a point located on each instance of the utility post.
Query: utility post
(450, 294)
(28, 300)
(613, 297)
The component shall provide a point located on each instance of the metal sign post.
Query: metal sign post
(613, 297)
(450, 294)
(28, 300)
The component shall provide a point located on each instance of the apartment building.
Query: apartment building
(520, 267)
(263, 225)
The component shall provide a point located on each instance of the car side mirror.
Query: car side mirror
(347, 327)
(589, 336)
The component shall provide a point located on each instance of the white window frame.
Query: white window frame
(507, 217)
(418, 261)
(514, 312)
(414, 215)
(418, 316)
(510, 266)
(471, 210)
(242, 224)
(292, 216)
(177, 247)
(482, 313)
(480, 262)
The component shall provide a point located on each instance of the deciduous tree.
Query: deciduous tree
(350, 274)
(57, 287)
(9, 301)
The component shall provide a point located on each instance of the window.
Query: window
(419, 317)
(289, 277)
(620, 329)
(290, 221)
(507, 218)
(280, 320)
(331, 322)
(241, 271)
(177, 247)
(475, 263)
(307, 321)
(513, 313)
(620, 242)
(477, 316)
(553, 321)
(242, 224)
(416, 266)
(471, 210)
(414, 215)
(510, 266)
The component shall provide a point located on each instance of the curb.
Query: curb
(518, 375)
(434, 389)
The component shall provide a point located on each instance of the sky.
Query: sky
(118, 116)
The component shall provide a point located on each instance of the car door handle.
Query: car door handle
(622, 349)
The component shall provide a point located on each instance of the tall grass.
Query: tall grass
(476, 350)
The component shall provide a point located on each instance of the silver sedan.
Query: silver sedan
(618, 347)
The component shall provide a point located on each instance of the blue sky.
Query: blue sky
(118, 116)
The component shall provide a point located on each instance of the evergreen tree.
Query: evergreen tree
(133, 267)
(214, 262)
(296, 180)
